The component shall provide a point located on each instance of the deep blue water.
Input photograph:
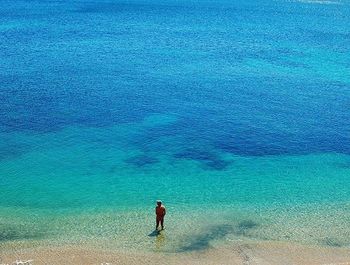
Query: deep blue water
(252, 78)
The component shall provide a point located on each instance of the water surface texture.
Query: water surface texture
(234, 113)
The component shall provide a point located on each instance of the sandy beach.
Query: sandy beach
(236, 254)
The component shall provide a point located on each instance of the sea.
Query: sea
(234, 113)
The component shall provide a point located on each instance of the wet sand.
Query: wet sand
(279, 253)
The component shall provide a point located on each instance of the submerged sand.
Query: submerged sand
(279, 253)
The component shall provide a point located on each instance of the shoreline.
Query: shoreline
(264, 252)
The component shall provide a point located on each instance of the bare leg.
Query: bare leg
(162, 223)
(157, 223)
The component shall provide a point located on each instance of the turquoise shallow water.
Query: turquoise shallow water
(84, 192)
(235, 114)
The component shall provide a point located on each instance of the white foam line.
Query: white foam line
(20, 262)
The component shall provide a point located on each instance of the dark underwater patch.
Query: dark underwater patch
(208, 159)
(202, 241)
(141, 161)
(245, 226)
(11, 233)
(331, 242)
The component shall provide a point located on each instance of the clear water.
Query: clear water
(235, 114)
